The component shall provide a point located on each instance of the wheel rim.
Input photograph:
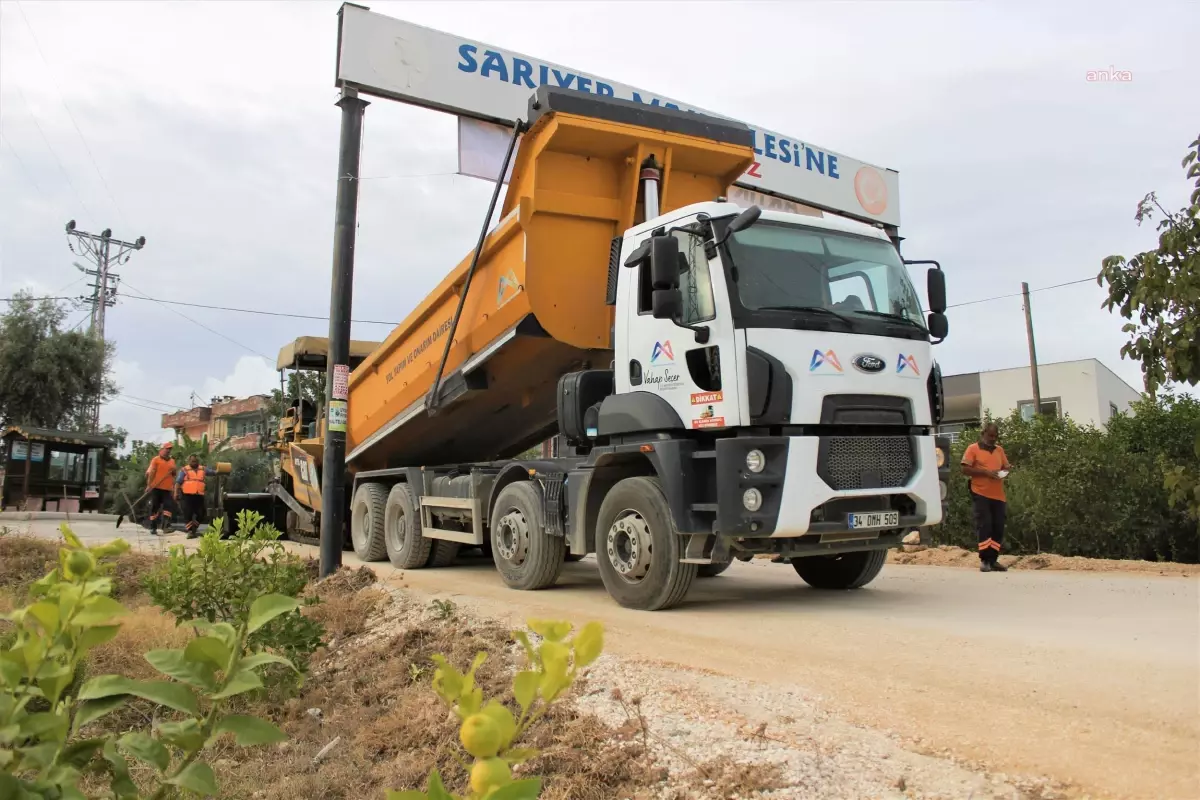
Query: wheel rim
(358, 533)
(630, 547)
(512, 537)
(397, 531)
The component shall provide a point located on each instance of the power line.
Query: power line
(1019, 294)
(201, 324)
(175, 406)
(261, 312)
(53, 152)
(24, 168)
(139, 405)
(62, 99)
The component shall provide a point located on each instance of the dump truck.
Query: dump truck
(724, 382)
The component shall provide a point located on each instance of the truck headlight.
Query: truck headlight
(752, 499)
(942, 489)
(941, 457)
(756, 461)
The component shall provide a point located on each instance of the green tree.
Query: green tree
(49, 377)
(310, 386)
(1159, 292)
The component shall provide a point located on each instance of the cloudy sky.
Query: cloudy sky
(209, 128)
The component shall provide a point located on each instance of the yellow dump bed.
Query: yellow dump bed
(536, 306)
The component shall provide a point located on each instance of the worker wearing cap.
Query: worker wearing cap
(985, 463)
(160, 481)
(191, 484)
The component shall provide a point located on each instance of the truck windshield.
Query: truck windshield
(822, 274)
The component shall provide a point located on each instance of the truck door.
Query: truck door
(699, 380)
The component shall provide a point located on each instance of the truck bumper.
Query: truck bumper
(810, 484)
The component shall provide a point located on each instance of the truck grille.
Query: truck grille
(866, 462)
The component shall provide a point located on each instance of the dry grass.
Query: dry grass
(348, 600)
(724, 777)
(24, 560)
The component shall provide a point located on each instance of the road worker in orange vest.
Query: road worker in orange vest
(191, 483)
(160, 480)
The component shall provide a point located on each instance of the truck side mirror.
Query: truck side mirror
(740, 223)
(667, 304)
(935, 287)
(939, 326)
(664, 263)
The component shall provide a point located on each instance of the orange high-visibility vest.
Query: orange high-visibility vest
(193, 480)
(159, 473)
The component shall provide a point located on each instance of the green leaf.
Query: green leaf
(93, 710)
(412, 794)
(268, 607)
(186, 734)
(525, 686)
(171, 695)
(259, 659)
(122, 785)
(146, 749)
(241, 681)
(44, 725)
(197, 777)
(527, 789)
(70, 537)
(78, 754)
(96, 636)
(589, 643)
(249, 731)
(97, 611)
(550, 630)
(173, 663)
(39, 756)
(53, 680)
(436, 789)
(46, 613)
(207, 650)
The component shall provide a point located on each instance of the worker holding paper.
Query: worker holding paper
(985, 463)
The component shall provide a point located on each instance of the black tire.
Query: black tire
(712, 570)
(639, 561)
(366, 522)
(526, 556)
(571, 558)
(443, 553)
(406, 547)
(842, 571)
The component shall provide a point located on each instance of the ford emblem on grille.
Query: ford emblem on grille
(866, 363)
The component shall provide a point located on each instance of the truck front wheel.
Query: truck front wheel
(842, 571)
(638, 550)
(406, 547)
(526, 556)
(366, 522)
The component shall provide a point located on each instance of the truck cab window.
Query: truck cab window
(695, 283)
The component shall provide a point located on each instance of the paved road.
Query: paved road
(1090, 678)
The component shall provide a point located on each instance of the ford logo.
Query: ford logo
(867, 363)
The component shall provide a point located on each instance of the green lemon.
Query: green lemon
(480, 736)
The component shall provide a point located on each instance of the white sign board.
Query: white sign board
(341, 381)
(391, 58)
(481, 149)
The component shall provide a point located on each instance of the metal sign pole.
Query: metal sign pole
(333, 477)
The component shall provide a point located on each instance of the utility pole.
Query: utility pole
(98, 249)
(341, 294)
(1033, 367)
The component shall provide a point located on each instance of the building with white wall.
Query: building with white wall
(1086, 391)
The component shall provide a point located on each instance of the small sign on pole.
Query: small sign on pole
(337, 415)
(341, 381)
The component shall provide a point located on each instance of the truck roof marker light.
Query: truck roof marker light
(647, 448)
(532, 472)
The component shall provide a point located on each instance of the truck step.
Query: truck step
(704, 454)
(707, 507)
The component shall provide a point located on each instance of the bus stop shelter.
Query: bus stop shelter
(42, 469)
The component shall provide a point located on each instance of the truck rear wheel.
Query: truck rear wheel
(638, 549)
(406, 547)
(842, 571)
(443, 553)
(366, 522)
(526, 556)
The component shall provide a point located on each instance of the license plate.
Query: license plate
(874, 519)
